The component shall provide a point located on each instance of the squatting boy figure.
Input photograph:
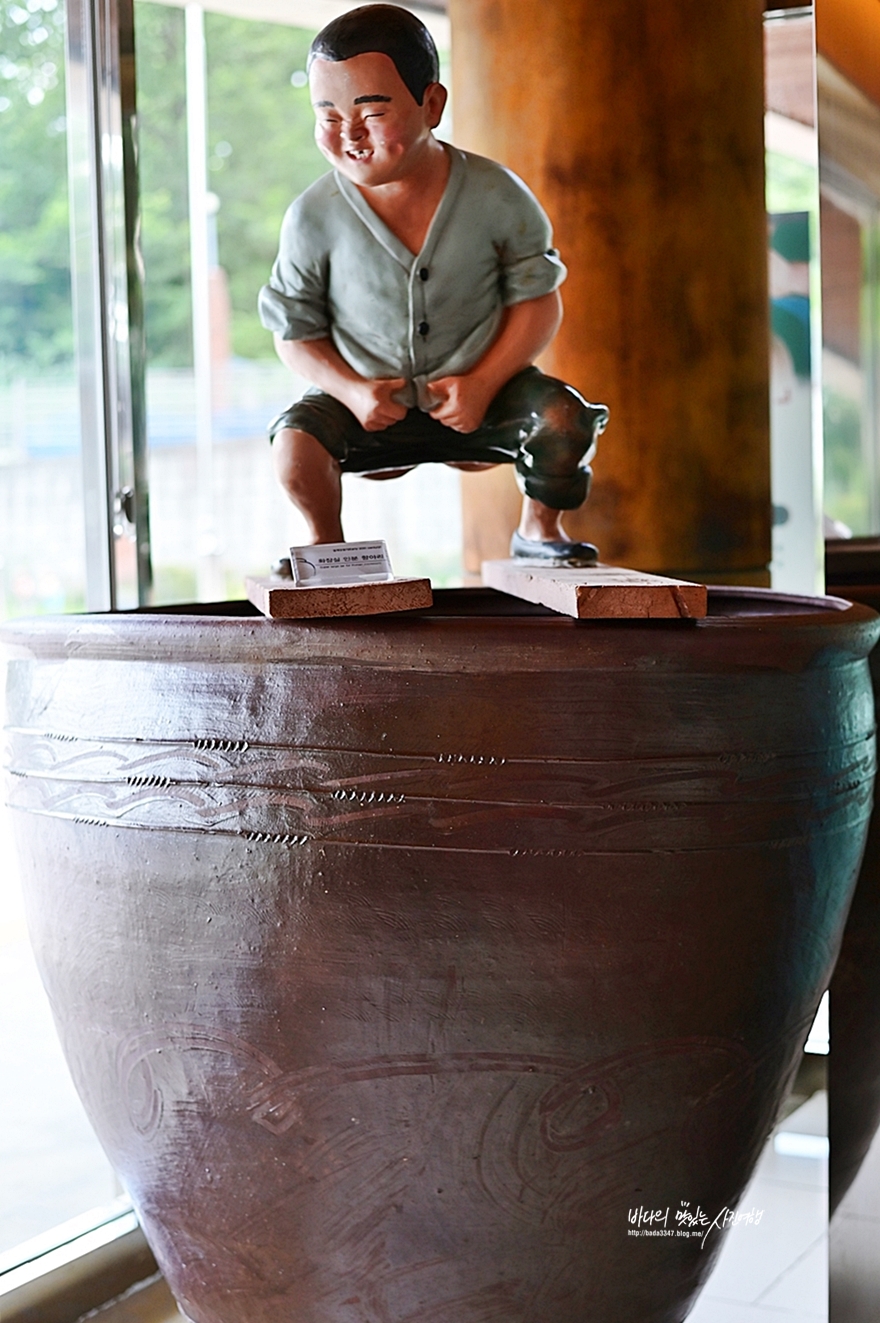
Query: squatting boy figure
(414, 287)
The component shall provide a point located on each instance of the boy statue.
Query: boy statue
(414, 287)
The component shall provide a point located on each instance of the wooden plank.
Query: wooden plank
(601, 592)
(282, 600)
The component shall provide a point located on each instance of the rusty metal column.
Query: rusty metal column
(640, 127)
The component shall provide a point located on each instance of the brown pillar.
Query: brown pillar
(639, 124)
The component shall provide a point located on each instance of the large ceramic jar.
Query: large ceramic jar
(854, 1062)
(406, 964)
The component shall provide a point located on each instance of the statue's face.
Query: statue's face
(369, 125)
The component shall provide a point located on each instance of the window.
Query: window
(52, 1164)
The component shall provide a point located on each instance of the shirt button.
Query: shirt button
(424, 328)
(423, 274)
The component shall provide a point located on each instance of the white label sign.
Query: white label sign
(339, 562)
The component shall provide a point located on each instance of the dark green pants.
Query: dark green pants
(540, 425)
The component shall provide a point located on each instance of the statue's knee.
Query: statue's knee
(556, 448)
(283, 450)
(301, 458)
(566, 429)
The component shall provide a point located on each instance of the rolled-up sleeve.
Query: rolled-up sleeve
(294, 302)
(530, 265)
(530, 277)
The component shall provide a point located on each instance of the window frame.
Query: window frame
(75, 1268)
(108, 297)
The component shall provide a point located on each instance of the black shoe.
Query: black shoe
(281, 568)
(555, 553)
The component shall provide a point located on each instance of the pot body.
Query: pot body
(399, 963)
(854, 1061)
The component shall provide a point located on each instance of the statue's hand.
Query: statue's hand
(461, 402)
(372, 404)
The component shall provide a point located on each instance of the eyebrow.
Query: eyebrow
(358, 101)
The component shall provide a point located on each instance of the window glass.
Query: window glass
(849, 125)
(792, 195)
(849, 358)
(42, 544)
(51, 1166)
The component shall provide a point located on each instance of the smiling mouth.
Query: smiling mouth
(359, 154)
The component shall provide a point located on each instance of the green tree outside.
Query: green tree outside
(36, 330)
(268, 122)
(261, 154)
(161, 132)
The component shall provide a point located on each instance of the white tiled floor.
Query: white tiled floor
(855, 1248)
(777, 1270)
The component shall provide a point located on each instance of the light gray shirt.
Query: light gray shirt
(341, 273)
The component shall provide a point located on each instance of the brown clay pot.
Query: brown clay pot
(854, 1060)
(398, 961)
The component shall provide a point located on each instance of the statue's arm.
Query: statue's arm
(526, 329)
(320, 362)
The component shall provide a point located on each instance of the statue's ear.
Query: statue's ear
(434, 103)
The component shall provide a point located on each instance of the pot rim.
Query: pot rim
(792, 633)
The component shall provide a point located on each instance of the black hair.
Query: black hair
(391, 31)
